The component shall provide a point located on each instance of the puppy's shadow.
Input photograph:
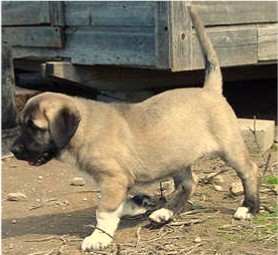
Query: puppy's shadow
(78, 223)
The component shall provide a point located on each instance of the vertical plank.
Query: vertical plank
(162, 33)
(8, 87)
(57, 13)
(180, 40)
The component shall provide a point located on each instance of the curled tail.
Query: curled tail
(213, 76)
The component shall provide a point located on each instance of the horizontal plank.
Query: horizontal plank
(130, 79)
(267, 42)
(109, 13)
(96, 46)
(234, 46)
(25, 13)
(49, 37)
(236, 12)
(111, 46)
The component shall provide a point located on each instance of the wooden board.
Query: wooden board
(236, 12)
(181, 39)
(110, 13)
(25, 13)
(162, 35)
(234, 46)
(131, 79)
(49, 37)
(88, 46)
(267, 42)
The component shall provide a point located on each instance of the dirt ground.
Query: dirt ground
(56, 216)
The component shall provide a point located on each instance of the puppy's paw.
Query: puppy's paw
(96, 241)
(161, 215)
(242, 213)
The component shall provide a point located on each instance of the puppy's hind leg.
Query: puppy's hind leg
(237, 156)
(185, 185)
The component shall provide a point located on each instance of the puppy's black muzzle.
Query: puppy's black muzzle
(34, 158)
(18, 151)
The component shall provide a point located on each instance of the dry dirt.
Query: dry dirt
(56, 216)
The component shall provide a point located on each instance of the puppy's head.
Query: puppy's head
(47, 124)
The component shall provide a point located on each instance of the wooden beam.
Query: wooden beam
(162, 35)
(49, 37)
(236, 12)
(131, 79)
(25, 13)
(267, 42)
(110, 13)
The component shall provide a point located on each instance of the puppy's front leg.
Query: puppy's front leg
(110, 207)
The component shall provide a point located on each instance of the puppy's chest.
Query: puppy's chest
(67, 158)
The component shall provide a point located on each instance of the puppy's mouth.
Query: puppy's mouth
(41, 159)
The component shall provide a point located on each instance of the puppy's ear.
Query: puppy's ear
(64, 125)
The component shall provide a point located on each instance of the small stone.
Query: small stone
(218, 180)
(77, 181)
(236, 188)
(197, 239)
(40, 177)
(17, 196)
(217, 187)
(14, 221)
(85, 199)
(276, 189)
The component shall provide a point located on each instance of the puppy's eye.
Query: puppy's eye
(30, 124)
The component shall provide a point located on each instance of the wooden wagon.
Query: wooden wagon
(134, 45)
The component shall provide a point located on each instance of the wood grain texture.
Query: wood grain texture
(118, 78)
(234, 46)
(162, 35)
(25, 13)
(110, 13)
(236, 12)
(180, 39)
(267, 42)
(49, 37)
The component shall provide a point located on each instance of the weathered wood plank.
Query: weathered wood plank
(91, 46)
(8, 89)
(120, 46)
(25, 13)
(57, 13)
(162, 34)
(181, 41)
(236, 12)
(233, 45)
(131, 79)
(110, 13)
(50, 37)
(267, 42)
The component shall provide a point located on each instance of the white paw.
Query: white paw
(242, 213)
(162, 215)
(96, 241)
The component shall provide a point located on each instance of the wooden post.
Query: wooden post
(8, 87)
(8, 99)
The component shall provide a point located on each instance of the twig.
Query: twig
(138, 236)
(101, 230)
(10, 155)
(271, 237)
(258, 145)
(267, 165)
(192, 249)
(46, 239)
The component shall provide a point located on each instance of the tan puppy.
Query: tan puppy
(120, 145)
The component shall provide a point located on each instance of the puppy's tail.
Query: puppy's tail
(213, 76)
